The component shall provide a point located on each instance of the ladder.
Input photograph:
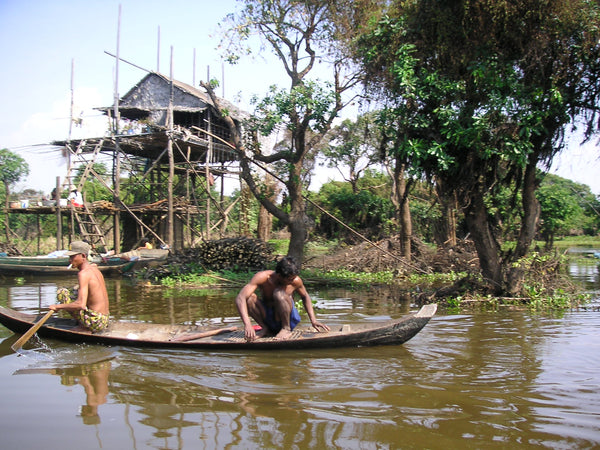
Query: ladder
(89, 228)
(78, 156)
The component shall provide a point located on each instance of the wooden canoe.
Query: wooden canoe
(108, 268)
(59, 265)
(183, 336)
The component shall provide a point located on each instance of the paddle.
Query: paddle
(191, 337)
(17, 345)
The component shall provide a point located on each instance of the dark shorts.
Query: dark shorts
(273, 324)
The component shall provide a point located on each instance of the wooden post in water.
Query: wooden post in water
(117, 156)
(170, 237)
(207, 173)
(58, 215)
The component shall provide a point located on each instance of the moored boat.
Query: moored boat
(137, 334)
(57, 266)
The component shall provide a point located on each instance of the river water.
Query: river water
(488, 379)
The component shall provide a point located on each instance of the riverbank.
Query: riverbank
(449, 277)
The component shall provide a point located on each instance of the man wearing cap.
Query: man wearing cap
(90, 307)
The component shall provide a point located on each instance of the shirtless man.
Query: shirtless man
(275, 311)
(91, 306)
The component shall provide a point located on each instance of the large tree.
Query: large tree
(484, 92)
(300, 35)
(12, 169)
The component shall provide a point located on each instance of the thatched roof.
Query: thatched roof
(152, 93)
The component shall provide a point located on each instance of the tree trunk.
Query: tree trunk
(445, 229)
(403, 210)
(265, 218)
(265, 223)
(297, 217)
(476, 217)
(245, 195)
(298, 234)
(531, 215)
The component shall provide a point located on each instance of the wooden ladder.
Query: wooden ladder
(89, 228)
(78, 157)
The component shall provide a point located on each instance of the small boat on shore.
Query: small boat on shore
(57, 264)
(8, 266)
(144, 257)
(137, 334)
(40, 265)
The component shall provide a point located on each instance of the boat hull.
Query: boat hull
(25, 269)
(174, 336)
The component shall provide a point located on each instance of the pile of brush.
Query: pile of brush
(239, 253)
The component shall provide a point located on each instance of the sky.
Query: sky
(47, 45)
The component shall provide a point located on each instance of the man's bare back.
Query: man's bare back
(91, 307)
(97, 296)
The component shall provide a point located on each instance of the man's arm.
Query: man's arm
(82, 296)
(242, 298)
(306, 300)
(241, 302)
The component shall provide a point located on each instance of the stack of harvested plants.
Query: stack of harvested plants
(10, 249)
(240, 254)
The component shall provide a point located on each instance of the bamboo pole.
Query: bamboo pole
(170, 231)
(117, 156)
(58, 216)
(207, 175)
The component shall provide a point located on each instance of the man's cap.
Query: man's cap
(77, 247)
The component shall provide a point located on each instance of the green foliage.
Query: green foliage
(544, 285)
(12, 167)
(479, 93)
(559, 210)
(365, 209)
(313, 101)
(280, 246)
(344, 277)
(566, 207)
(198, 277)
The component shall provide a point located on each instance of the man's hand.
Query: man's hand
(320, 326)
(249, 333)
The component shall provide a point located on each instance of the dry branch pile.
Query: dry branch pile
(238, 253)
(387, 255)
(9, 249)
(234, 253)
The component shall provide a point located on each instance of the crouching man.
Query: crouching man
(274, 310)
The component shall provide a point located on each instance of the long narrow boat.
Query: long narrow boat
(24, 266)
(182, 336)
(59, 265)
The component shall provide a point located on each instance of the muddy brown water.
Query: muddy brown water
(497, 379)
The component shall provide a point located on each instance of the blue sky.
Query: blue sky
(40, 39)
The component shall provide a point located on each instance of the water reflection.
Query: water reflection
(501, 379)
(585, 269)
(92, 374)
